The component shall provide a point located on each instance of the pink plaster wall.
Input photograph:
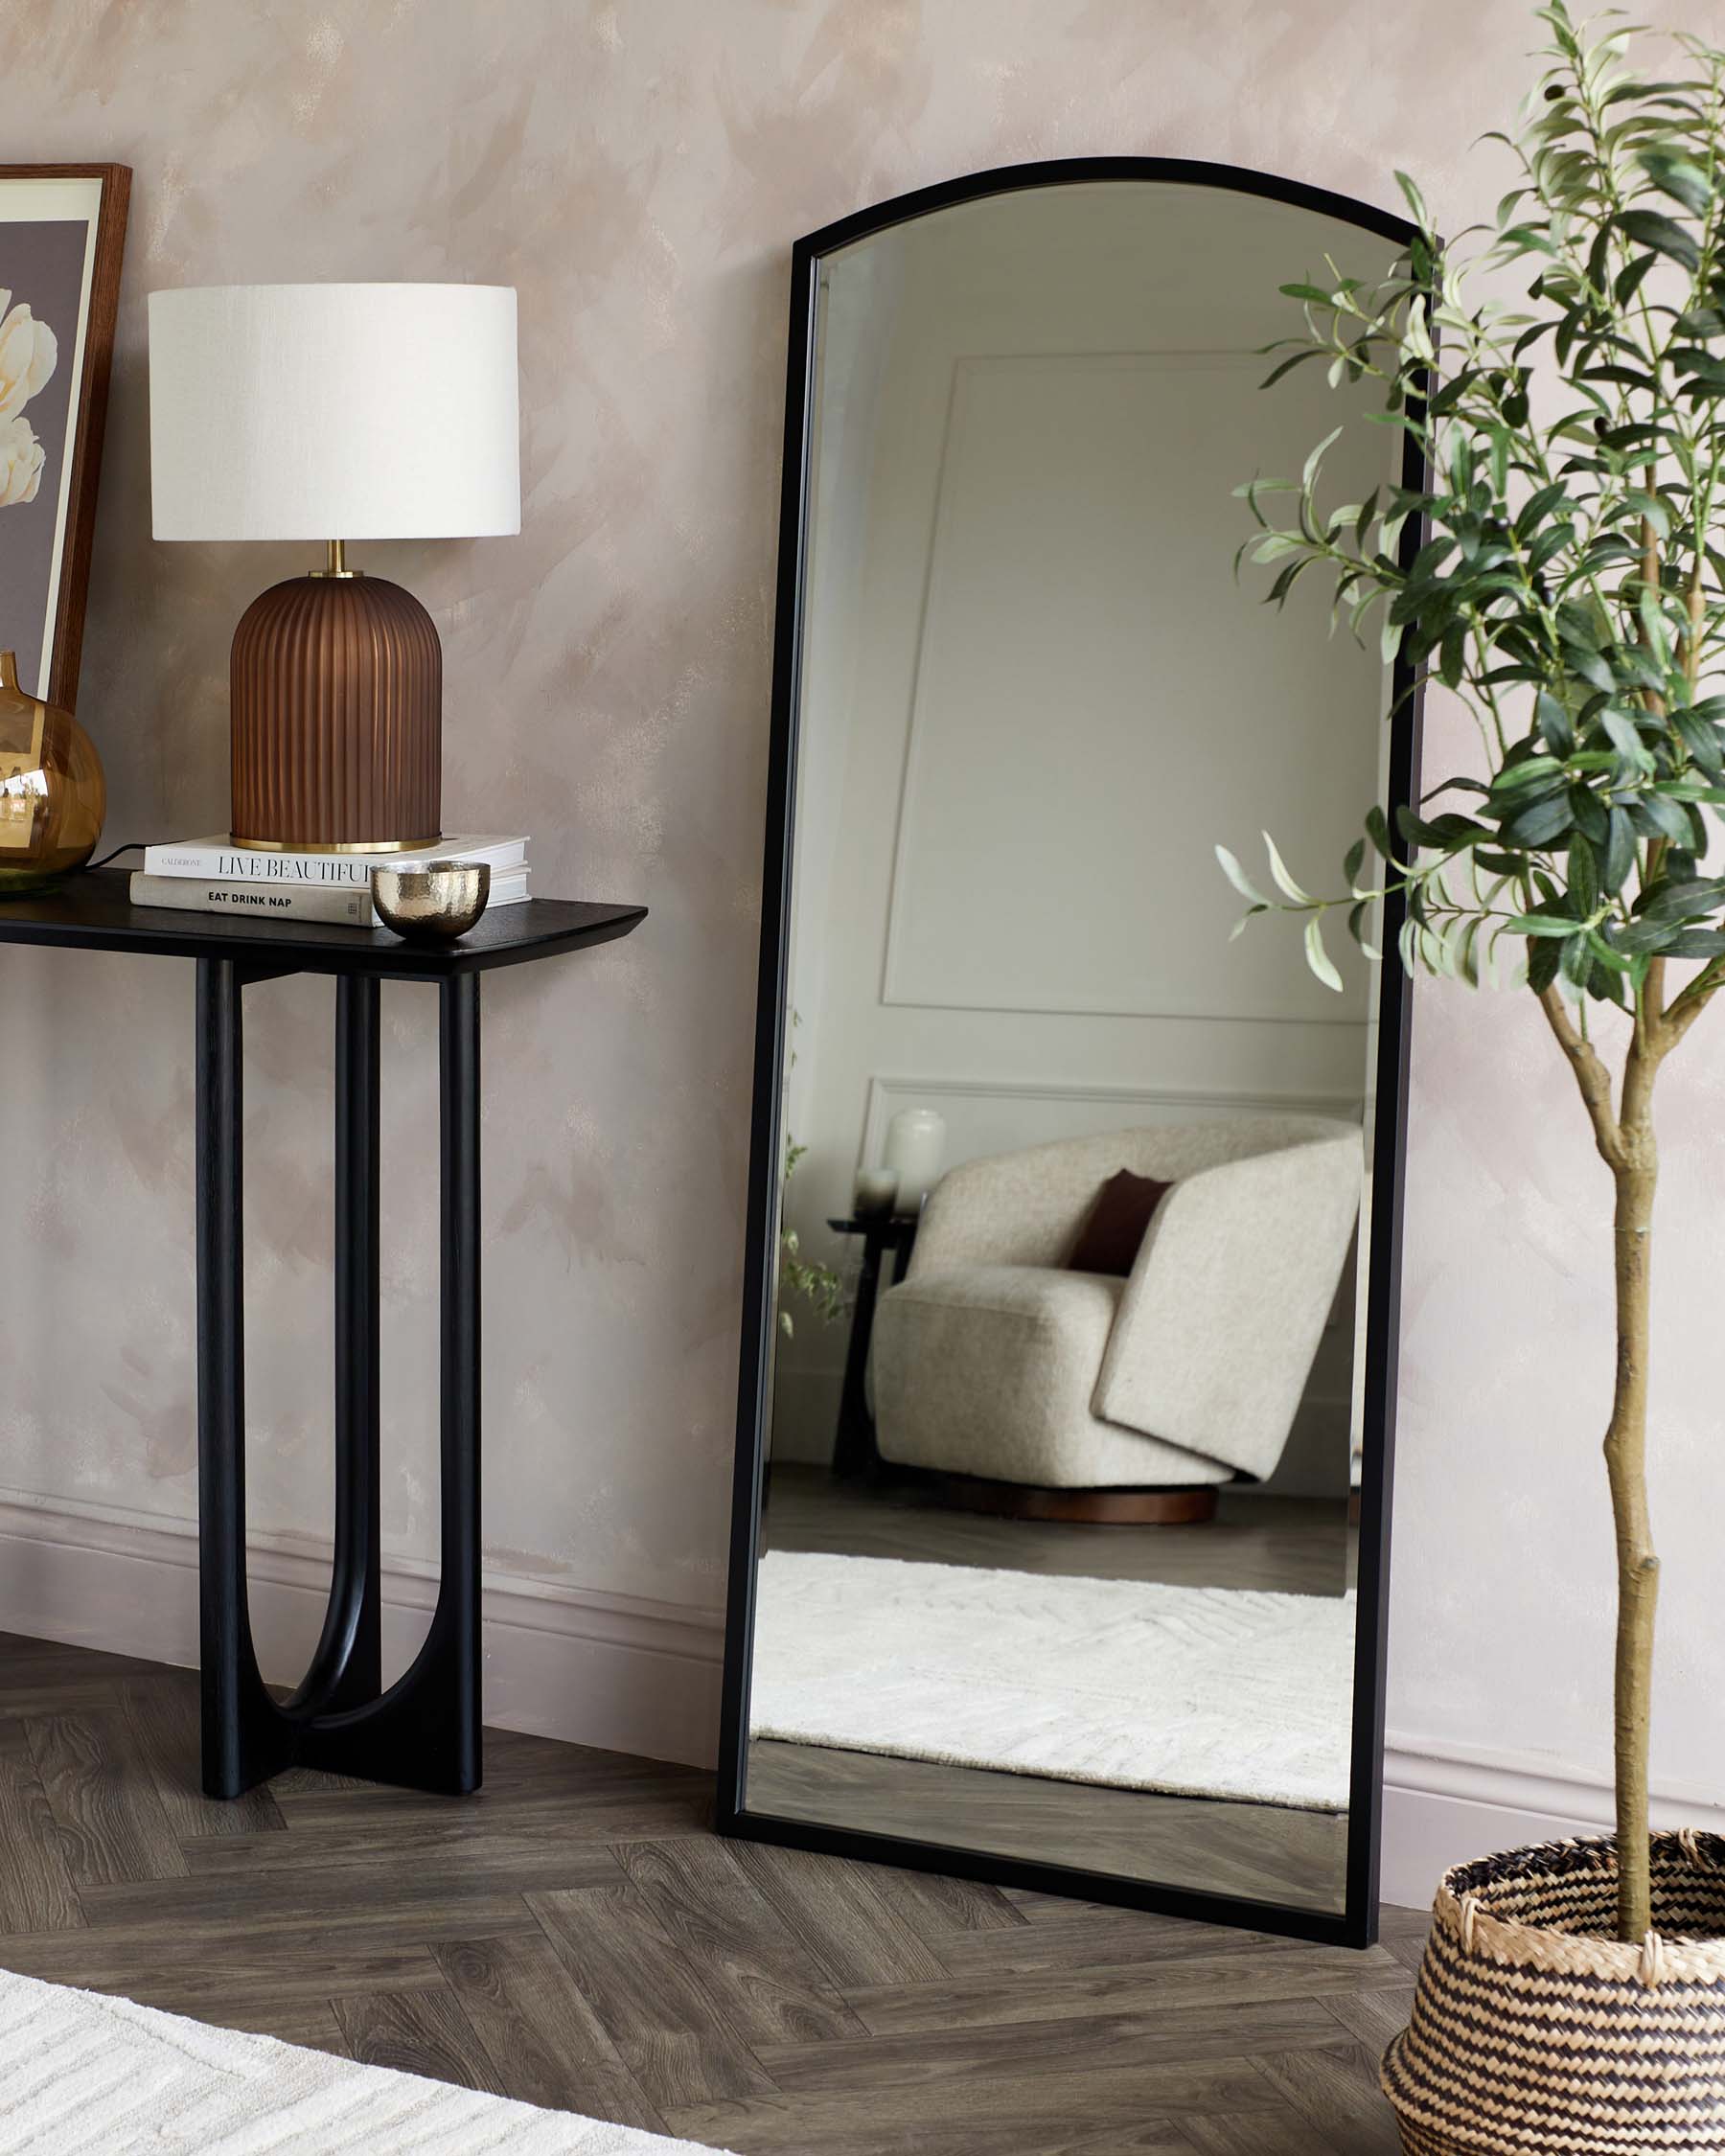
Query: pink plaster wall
(638, 170)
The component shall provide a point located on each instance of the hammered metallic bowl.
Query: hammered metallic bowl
(431, 900)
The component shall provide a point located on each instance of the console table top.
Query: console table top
(92, 911)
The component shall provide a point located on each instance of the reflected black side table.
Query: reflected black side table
(423, 1732)
(854, 1451)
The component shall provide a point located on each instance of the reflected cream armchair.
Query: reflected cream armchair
(992, 1361)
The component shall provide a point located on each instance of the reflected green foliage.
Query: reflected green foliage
(817, 1284)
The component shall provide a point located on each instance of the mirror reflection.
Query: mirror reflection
(1056, 1555)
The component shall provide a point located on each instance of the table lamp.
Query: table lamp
(335, 413)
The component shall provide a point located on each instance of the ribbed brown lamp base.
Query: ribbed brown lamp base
(337, 717)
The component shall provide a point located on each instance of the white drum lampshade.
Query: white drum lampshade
(335, 412)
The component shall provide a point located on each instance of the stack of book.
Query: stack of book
(214, 876)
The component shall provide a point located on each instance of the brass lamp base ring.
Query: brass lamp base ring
(344, 846)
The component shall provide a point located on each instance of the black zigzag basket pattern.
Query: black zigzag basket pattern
(1536, 2033)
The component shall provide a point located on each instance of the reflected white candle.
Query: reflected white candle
(916, 1147)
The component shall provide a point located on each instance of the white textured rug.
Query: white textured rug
(1198, 1691)
(85, 2076)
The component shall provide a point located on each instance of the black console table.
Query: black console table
(423, 1732)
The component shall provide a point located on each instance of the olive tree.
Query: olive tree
(1561, 373)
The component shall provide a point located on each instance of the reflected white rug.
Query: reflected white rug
(85, 2076)
(1198, 1691)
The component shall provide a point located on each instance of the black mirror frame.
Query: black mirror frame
(1356, 1923)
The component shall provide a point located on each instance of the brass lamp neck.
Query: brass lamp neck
(335, 560)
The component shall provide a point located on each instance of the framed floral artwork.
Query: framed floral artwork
(62, 228)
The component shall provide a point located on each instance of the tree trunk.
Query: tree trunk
(1625, 1143)
(1636, 1173)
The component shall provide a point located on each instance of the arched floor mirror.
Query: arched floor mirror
(1063, 1473)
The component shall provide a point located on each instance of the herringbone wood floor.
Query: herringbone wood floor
(576, 1936)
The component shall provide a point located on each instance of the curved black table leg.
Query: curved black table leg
(347, 1667)
(423, 1732)
(241, 1741)
(458, 1603)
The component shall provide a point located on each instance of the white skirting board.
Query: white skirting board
(628, 1675)
(613, 1672)
(1445, 1803)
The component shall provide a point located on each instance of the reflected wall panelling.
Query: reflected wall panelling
(1016, 700)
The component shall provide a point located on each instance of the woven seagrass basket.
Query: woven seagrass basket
(1535, 2032)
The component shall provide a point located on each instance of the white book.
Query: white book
(344, 904)
(219, 859)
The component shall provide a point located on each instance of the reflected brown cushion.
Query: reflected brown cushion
(1114, 1226)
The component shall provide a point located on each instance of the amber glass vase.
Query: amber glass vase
(53, 796)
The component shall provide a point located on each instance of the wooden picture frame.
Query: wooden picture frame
(62, 234)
